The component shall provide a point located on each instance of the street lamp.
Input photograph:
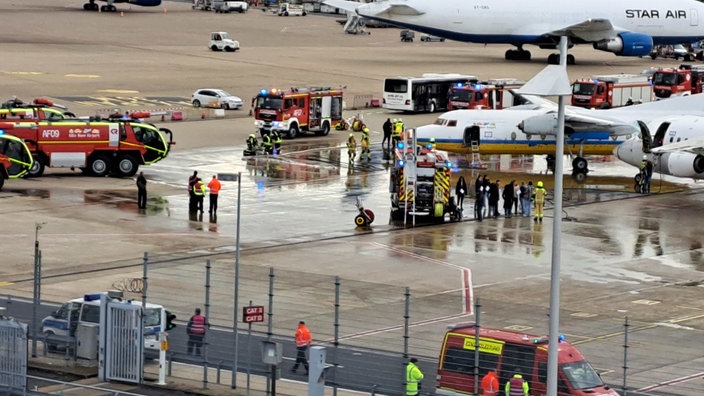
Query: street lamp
(37, 285)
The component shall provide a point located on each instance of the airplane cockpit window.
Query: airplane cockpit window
(440, 121)
(452, 123)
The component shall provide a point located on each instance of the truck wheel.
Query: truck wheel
(326, 129)
(196, 103)
(127, 166)
(292, 131)
(360, 221)
(229, 49)
(99, 165)
(37, 168)
(653, 56)
(214, 47)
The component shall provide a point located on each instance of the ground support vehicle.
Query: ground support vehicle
(428, 93)
(231, 6)
(420, 181)
(98, 146)
(603, 92)
(63, 322)
(203, 5)
(407, 36)
(507, 352)
(676, 51)
(39, 109)
(15, 158)
(494, 94)
(429, 37)
(288, 9)
(682, 81)
(315, 109)
(221, 41)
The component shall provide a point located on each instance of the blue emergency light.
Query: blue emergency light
(401, 163)
(2, 131)
(263, 92)
(449, 164)
(399, 145)
(459, 85)
(91, 297)
(477, 87)
(429, 146)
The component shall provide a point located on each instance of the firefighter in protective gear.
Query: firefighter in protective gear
(366, 144)
(351, 148)
(539, 196)
(277, 140)
(413, 378)
(646, 173)
(396, 130)
(252, 145)
(517, 386)
(267, 144)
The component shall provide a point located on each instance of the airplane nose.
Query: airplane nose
(520, 125)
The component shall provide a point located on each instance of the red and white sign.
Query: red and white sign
(253, 314)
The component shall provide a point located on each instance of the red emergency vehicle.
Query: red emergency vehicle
(682, 81)
(493, 94)
(39, 109)
(15, 158)
(508, 352)
(615, 90)
(316, 109)
(97, 146)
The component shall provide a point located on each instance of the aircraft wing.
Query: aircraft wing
(589, 30)
(350, 6)
(533, 102)
(694, 146)
(577, 123)
(387, 7)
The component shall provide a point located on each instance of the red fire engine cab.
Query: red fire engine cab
(98, 146)
(298, 110)
(683, 81)
(39, 109)
(493, 94)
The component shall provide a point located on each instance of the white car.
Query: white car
(430, 37)
(210, 97)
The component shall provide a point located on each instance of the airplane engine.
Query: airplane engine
(683, 164)
(545, 124)
(145, 3)
(627, 44)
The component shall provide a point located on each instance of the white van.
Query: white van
(86, 310)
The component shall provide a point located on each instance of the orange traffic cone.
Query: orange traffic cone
(202, 115)
(122, 13)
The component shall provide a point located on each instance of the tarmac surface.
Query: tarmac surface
(622, 254)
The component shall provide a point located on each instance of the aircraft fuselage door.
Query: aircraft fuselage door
(659, 138)
(471, 136)
(693, 17)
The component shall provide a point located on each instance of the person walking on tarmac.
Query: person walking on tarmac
(351, 148)
(539, 196)
(214, 186)
(461, 191)
(517, 386)
(413, 378)
(267, 144)
(141, 191)
(196, 329)
(490, 384)
(199, 192)
(277, 140)
(303, 340)
(366, 145)
(387, 133)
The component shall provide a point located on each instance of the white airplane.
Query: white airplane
(587, 132)
(676, 149)
(110, 7)
(625, 28)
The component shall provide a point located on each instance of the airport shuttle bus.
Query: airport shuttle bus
(428, 93)
(509, 352)
(15, 158)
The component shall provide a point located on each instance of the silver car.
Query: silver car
(210, 97)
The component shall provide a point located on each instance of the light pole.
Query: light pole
(237, 285)
(37, 286)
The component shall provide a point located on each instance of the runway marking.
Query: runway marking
(21, 73)
(6, 284)
(646, 302)
(518, 327)
(672, 382)
(583, 315)
(82, 75)
(119, 91)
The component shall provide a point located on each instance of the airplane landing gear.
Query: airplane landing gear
(554, 59)
(90, 6)
(517, 54)
(108, 8)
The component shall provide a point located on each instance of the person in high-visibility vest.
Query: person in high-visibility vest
(539, 198)
(303, 340)
(413, 378)
(396, 129)
(199, 192)
(267, 144)
(277, 140)
(196, 329)
(366, 145)
(214, 186)
(490, 384)
(351, 148)
(517, 386)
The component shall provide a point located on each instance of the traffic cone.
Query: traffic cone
(165, 10)
(202, 115)
(122, 13)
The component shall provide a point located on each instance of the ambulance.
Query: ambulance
(508, 352)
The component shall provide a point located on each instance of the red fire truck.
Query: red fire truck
(316, 109)
(493, 94)
(682, 81)
(39, 109)
(95, 145)
(611, 90)
(15, 158)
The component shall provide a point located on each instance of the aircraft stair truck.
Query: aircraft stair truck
(420, 183)
(492, 94)
(315, 109)
(15, 158)
(39, 109)
(286, 9)
(98, 146)
(682, 81)
(603, 92)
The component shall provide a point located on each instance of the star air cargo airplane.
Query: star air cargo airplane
(676, 149)
(520, 131)
(110, 7)
(625, 27)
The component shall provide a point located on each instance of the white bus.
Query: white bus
(426, 93)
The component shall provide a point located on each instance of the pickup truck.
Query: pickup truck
(230, 6)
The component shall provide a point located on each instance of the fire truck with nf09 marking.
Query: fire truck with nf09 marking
(15, 158)
(420, 181)
(315, 109)
(98, 146)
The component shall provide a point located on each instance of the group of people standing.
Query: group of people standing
(517, 200)
(196, 194)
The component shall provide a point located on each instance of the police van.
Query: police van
(507, 353)
(86, 310)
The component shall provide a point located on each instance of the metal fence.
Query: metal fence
(13, 357)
